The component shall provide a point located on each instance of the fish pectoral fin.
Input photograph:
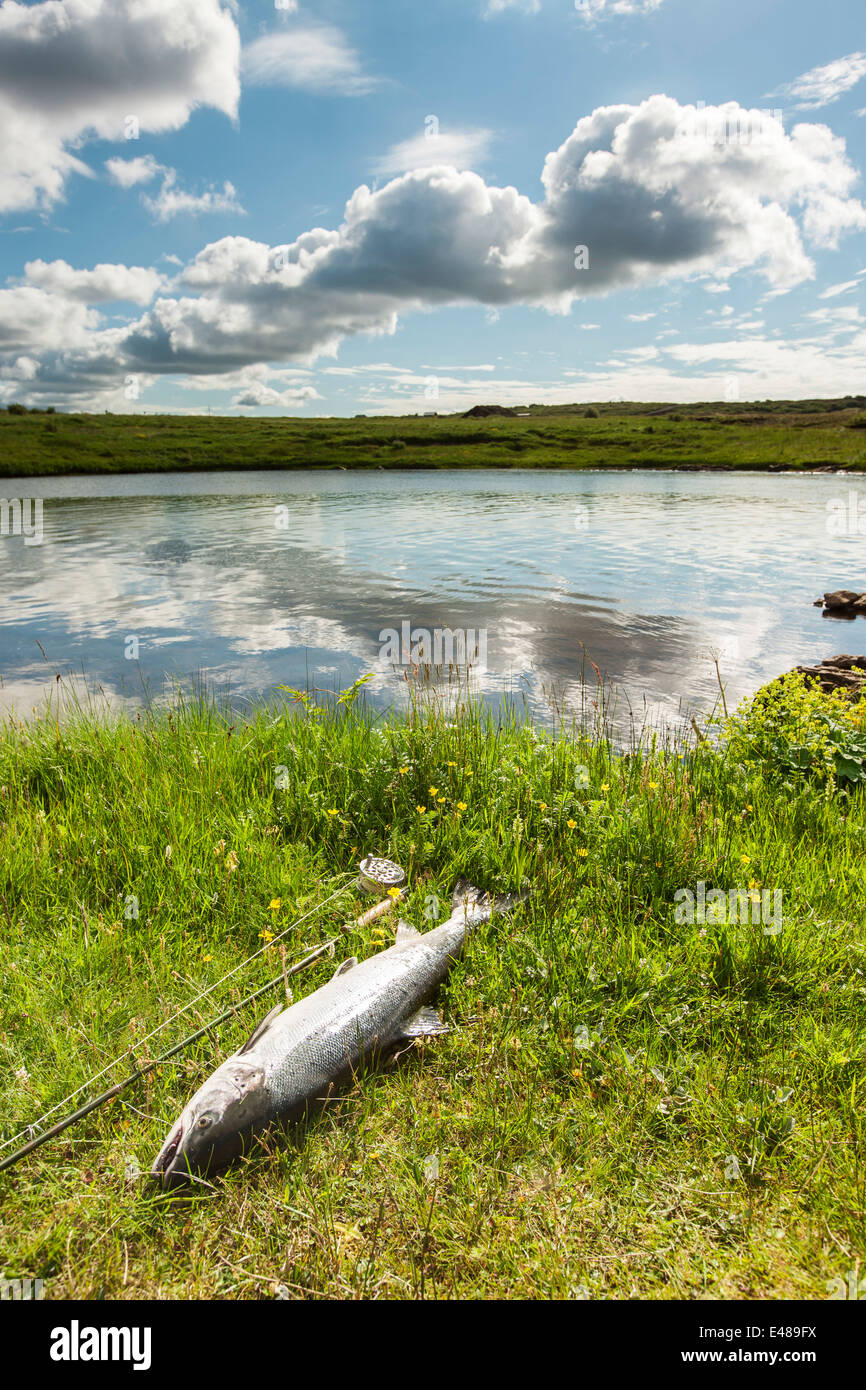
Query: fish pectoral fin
(344, 966)
(260, 1029)
(426, 1023)
(406, 933)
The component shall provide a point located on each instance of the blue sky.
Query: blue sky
(709, 160)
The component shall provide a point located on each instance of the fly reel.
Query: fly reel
(378, 876)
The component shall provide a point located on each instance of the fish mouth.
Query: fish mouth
(165, 1165)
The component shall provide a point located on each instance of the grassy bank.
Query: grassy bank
(776, 435)
(627, 1104)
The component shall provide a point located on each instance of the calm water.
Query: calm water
(249, 581)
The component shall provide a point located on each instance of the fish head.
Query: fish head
(214, 1127)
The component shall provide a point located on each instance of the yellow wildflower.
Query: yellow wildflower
(275, 904)
(461, 805)
(572, 824)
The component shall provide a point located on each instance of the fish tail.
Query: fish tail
(477, 907)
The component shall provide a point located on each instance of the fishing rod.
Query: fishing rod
(202, 995)
(149, 1066)
(377, 876)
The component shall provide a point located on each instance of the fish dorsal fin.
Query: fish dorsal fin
(426, 1023)
(260, 1029)
(406, 933)
(344, 966)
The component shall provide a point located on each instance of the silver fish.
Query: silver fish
(298, 1056)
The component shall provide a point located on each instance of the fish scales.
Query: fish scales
(357, 1013)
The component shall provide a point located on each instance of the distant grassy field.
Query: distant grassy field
(722, 435)
(629, 1104)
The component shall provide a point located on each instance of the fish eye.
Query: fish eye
(205, 1121)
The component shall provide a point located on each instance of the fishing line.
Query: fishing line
(105, 1070)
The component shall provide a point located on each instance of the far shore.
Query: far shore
(773, 436)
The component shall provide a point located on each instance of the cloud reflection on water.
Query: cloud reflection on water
(645, 574)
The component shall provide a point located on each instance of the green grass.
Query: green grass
(626, 1105)
(722, 435)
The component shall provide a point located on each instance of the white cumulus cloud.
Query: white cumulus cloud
(290, 398)
(105, 69)
(130, 172)
(648, 196)
(101, 285)
(171, 200)
(31, 319)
